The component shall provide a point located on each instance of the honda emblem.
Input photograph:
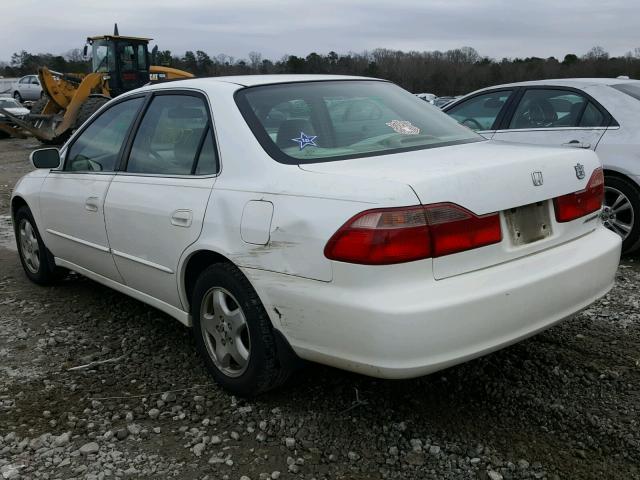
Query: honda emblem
(537, 178)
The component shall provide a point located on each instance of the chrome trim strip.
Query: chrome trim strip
(551, 129)
(79, 240)
(142, 261)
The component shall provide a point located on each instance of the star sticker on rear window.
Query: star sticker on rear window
(305, 140)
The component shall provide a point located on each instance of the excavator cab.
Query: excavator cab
(124, 61)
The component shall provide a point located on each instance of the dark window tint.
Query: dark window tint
(631, 89)
(548, 108)
(592, 117)
(98, 146)
(481, 111)
(208, 158)
(169, 136)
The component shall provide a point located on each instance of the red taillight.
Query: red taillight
(578, 204)
(396, 235)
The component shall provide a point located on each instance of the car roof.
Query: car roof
(568, 82)
(254, 80)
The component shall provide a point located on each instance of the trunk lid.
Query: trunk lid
(487, 177)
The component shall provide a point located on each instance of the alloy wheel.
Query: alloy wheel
(617, 212)
(29, 247)
(225, 331)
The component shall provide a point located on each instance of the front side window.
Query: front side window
(97, 148)
(142, 57)
(171, 136)
(127, 58)
(334, 120)
(103, 57)
(480, 112)
(548, 108)
(24, 80)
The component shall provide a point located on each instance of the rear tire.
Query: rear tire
(88, 108)
(37, 261)
(622, 209)
(235, 326)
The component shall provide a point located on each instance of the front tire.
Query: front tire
(36, 260)
(17, 97)
(233, 333)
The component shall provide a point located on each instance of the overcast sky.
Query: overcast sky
(497, 28)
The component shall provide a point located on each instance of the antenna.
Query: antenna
(115, 30)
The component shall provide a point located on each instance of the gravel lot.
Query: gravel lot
(565, 404)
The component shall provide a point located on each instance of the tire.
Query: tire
(17, 96)
(262, 370)
(624, 195)
(88, 108)
(36, 109)
(36, 260)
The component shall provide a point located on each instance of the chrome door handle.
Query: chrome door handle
(92, 204)
(182, 218)
(576, 144)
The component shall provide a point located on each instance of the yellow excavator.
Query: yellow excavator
(119, 64)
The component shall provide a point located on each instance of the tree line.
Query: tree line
(452, 72)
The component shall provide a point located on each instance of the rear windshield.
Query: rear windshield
(631, 89)
(335, 120)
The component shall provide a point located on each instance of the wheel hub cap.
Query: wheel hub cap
(225, 331)
(617, 212)
(29, 248)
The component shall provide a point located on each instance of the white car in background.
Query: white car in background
(28, 88)
(389, 241)
(599, 114)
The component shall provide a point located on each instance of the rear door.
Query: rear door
(72, 198)
(156, 204)
(482, 112)
(554, 116)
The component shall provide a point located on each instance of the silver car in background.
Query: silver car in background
(601, 114)
(28, 88)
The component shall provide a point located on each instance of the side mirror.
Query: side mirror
(45, 158)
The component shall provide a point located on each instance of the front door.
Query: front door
(72, 198)
(553, 116)
(156, 205)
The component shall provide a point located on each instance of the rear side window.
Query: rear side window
(322, 121)
(548, 108)
(171, 136)
(97, 148)
(631, 89)
(592, 117)
(480, 112)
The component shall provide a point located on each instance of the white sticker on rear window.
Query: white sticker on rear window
(403, 127)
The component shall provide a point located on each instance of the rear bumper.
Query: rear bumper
(412, 325)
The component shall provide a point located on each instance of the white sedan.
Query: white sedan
(333, 219)
(601, 114)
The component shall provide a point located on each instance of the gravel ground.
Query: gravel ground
(564, 404)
